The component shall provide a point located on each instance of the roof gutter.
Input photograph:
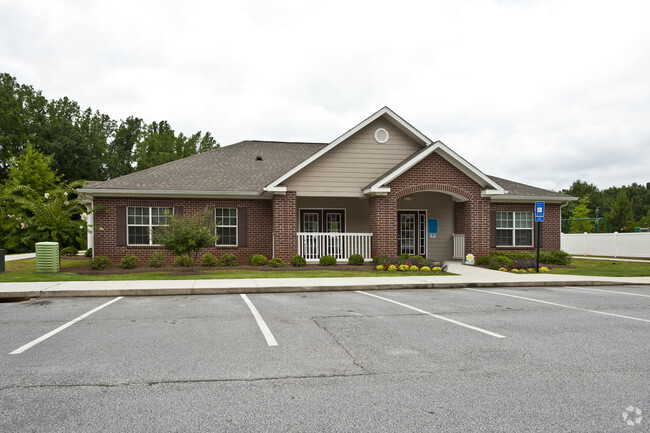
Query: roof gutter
(531, 199)
(105, 192)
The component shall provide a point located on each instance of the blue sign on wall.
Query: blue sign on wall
(433, 225)
(539, 211)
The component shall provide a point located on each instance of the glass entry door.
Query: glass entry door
(411, 235)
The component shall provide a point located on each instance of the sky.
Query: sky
(539, 92)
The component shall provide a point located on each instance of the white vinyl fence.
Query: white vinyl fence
(607, 244)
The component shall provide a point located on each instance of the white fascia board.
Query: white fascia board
(529, 199)
(376, 191)
(105, 192)
(384, 111)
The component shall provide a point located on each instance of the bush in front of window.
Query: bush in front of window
(208, 259)
(328, 261)
(257, 260)
(356, 260)
(497, 262)
(157, 260)
(276, 263)
(298, 261)
(99, 263)
(228, 260)
(89, 252)
(69, 251)
(129, 262)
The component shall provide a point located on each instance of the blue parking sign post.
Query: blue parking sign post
(539, 219)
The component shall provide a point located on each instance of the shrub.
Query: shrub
(228, 260)
(276, 263)
(497, 262)
(380, 267)
(208, 259)
(183, 261)
(438, 269)
(555, 257)
(129, 261)
(356, 260)
(298, 260)
(157, 260)
(503, 270)
(544, 269)
(328, 261)
(89, 252)
(403, 268)
(524, 264)
(185, 235)
(530, 270)
(257, 260)
(414, 268)
(99, 263)
(69, 251)
(425, 269)
(392, 268)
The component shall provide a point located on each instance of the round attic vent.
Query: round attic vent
(381, 135)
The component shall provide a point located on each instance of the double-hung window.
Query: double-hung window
(514, 229)
(226, 223)
(142, 222)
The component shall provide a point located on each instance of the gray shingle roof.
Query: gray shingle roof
(230, 168)
(522, 190)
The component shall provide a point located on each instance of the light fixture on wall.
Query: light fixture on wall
(408, 198)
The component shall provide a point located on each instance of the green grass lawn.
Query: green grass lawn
(605, 268)
(25, 270)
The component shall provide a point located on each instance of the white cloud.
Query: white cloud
(542, 92)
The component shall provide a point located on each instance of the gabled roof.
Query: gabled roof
(378, 186)
(385, 112)
(229, 170)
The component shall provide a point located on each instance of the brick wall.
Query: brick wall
(550, 227)
(259, 227)
(285, 239)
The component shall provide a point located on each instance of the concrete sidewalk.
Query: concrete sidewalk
(468, 276)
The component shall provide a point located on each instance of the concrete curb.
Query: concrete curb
(58, 292)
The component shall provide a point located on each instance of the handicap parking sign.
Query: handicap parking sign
(539, 211)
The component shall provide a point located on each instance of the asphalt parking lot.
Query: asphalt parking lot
(500, 359)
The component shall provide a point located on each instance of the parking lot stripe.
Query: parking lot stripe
(456, 322)
(608, 291)
(62, 327)
(559, 305)
(270, 339)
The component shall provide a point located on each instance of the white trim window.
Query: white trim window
(142, 221)
(226, 225)
(514, 229)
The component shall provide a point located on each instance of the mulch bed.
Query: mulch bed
(84, 269)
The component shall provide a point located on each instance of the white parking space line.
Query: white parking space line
(559, 305)
(456, 322)
(61, 328)
(270, 339)
(608, 291)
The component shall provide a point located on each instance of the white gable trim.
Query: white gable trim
(403, 124)
(454, 158)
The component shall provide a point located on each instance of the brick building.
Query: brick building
(381, 188)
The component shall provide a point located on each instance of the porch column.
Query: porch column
(477, 226)
(285, 238)
(383, 225)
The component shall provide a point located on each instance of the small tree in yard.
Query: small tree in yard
(186, 235)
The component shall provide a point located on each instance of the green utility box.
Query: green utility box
(47, 257)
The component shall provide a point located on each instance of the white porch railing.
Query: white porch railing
(340, 245)
(459, 246)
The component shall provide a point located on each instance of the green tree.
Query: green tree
(55, 216)
(621, 217)
(120, 150)
(157, 147)
(581, 211)
(186, 235)
(33, 170)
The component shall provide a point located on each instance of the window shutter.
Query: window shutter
(242, 227)
(493, 229)
(120, 212)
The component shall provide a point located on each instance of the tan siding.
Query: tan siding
(354, 163)
(438, 206)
